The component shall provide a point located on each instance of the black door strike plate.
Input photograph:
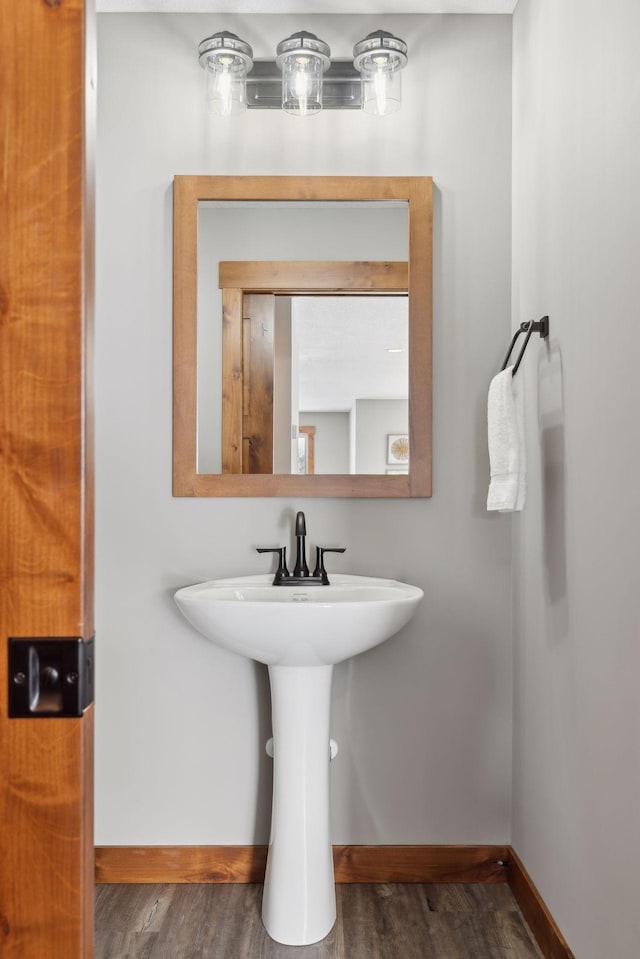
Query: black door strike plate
(50, 677)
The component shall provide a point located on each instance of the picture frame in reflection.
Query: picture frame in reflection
(397, 449)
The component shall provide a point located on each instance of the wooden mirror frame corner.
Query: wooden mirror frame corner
(188, 192)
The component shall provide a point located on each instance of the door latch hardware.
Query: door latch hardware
(50, 677)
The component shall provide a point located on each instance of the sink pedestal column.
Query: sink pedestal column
(299, 902)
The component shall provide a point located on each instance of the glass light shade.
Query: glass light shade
(226, 60)
(303, 59)
(302, 85)
(226, 86)
(380, 86)
(380, 58)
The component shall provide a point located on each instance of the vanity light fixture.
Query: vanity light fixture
(302, 79)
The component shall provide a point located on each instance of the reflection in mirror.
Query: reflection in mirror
(337, 375)
(352, 378)
(347, 262)
(329, 357)
(288, 232)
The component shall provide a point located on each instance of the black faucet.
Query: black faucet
(301, 568)
(300, 575)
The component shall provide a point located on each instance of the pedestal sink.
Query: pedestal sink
(300, 633)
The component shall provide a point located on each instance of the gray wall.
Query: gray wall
(331, 440)
(375, 419)
(576, 797)
(424, 721)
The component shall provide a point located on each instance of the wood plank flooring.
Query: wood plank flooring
(383, 921)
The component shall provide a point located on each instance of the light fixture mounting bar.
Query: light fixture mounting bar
(341, 88)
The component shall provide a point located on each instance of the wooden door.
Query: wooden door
(46, 473)
(257, 383)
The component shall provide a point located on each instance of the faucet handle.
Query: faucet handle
(320, 570)
(282, 572)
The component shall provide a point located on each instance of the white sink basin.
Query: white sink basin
(298, 626)
(292, 628)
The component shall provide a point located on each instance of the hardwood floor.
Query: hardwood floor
(384, 921)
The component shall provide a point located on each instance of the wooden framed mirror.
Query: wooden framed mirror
(379, 230)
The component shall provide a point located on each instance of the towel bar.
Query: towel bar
(533, 326)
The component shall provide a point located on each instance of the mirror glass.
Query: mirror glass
(351, 382)
(302, 336)
(331, 363)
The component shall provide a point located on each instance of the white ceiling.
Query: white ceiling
(306, 6)
(343, 345)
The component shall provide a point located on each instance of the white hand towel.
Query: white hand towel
(507, 452)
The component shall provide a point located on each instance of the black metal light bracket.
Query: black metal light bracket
(340, 86)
